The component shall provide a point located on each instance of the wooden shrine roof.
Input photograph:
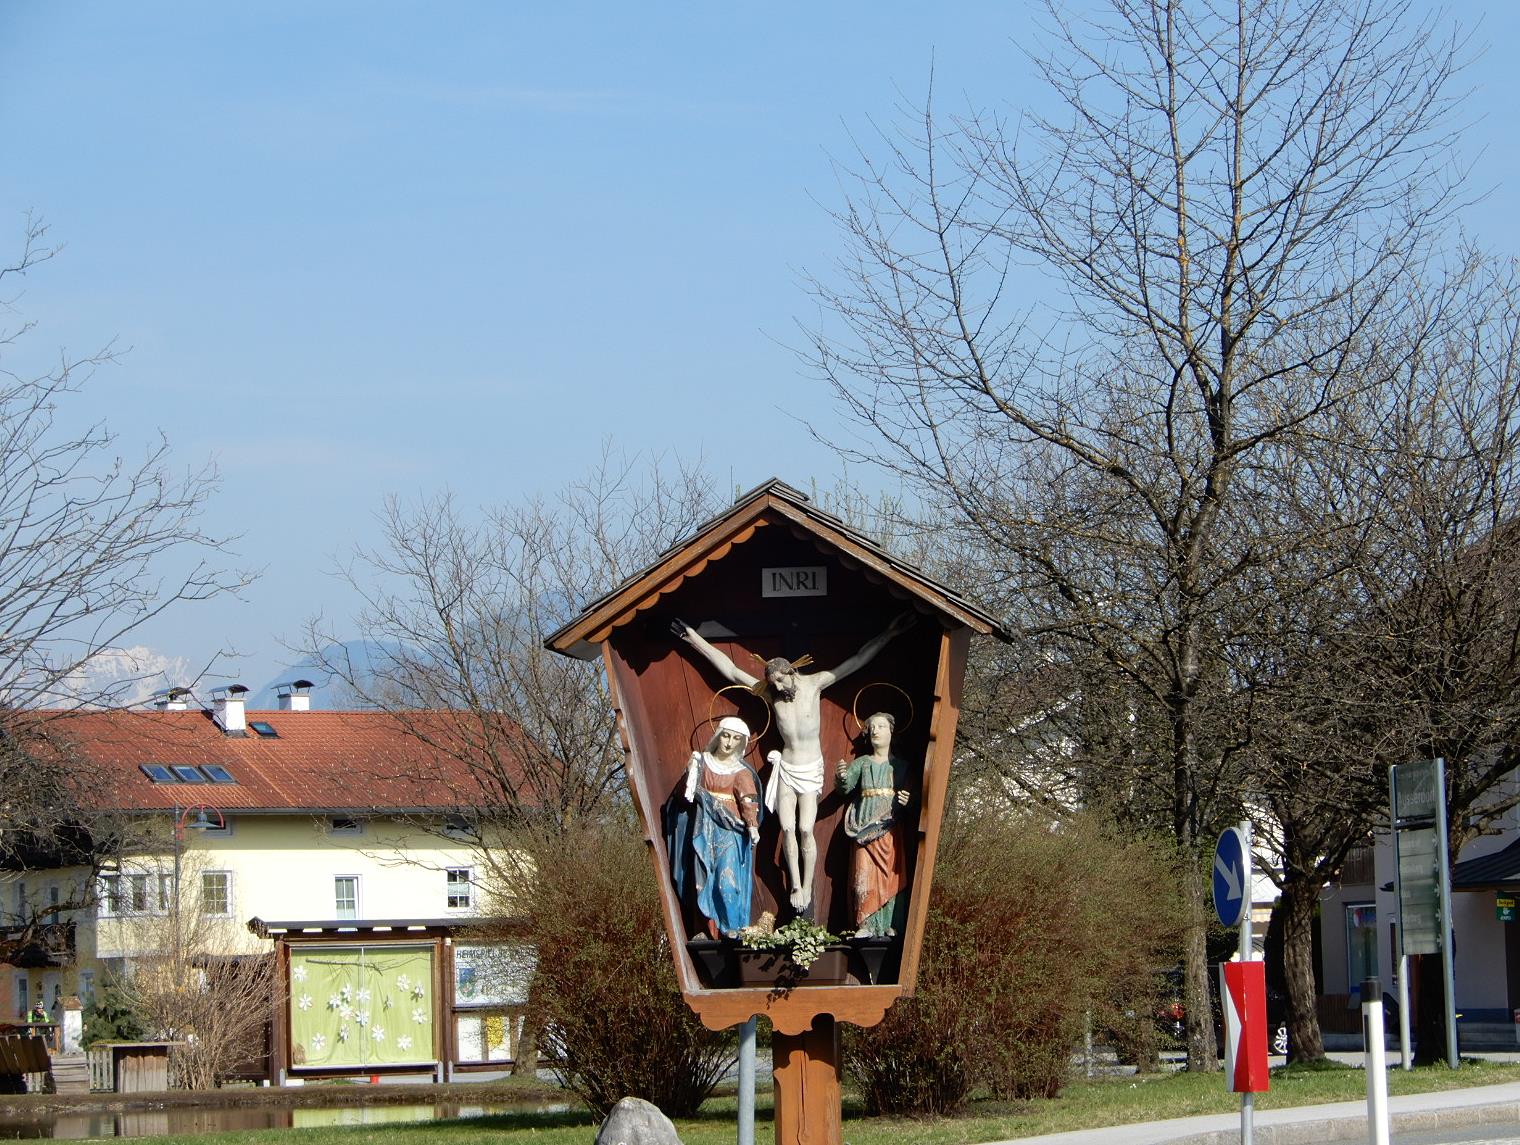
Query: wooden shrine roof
(773, 504)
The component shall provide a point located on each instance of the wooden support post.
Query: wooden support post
(806, 1071)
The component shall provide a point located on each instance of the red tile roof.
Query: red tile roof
(319, 761)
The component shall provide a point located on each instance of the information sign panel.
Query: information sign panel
(1416, 791)
(1419, 891)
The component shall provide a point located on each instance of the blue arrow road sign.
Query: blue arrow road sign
(1232, 879)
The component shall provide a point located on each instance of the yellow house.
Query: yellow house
(358, 828)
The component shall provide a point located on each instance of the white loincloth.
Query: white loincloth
(805, 778)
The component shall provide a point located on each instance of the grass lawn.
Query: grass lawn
(1085, 1104)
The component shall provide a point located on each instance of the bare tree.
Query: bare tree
(459, 606)
(1435, 657)
(191, 981)
(92, 547)
(1232, 196)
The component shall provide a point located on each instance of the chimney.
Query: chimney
(294, 696)
(227, 708)
(172, 699)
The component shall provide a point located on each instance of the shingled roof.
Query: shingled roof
(1500, 869)
(360, 761)
(772, 503)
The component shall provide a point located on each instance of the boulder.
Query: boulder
(634, 1121)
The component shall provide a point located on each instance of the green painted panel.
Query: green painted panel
(361, 1006)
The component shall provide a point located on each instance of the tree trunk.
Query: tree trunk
(525, 1059)
(1299, 898)
(1197, 998)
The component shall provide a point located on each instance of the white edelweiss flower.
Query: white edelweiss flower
(318, 1043)
(362, 1017)
(333, 1001)
(343, 1033)
(364, 995)
(304, 1001)
(347, 992)
(418, 992)
(377, 1033)
(298, 973)
(404, 1041)
(403, 983)
(346, 1013)
(419, 1015)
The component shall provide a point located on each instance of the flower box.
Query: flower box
(773, 967)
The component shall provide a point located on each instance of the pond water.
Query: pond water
(211, 1119)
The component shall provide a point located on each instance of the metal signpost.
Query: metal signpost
(1422, 881)
(1244, 985)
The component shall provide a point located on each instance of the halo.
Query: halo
(713, 717)
(855, 705)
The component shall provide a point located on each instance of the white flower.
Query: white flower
(418, 992)
(304, 1002)
(346, 1013)
(403, 983)
(298, 973)
(362, 1017)
(333, 1001)
(364, 995)
(377, 1034)
(404, 1041)
(346, 993)
(419, 1015)
(318, 1043)
(343, 1033)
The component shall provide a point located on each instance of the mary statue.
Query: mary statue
(712, 845)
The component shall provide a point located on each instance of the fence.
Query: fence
(101, 1078)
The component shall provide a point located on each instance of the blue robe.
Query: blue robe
(712, 837)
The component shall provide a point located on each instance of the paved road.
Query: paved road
(1483, 1113)
(1492, 1134)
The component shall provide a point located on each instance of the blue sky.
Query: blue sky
(360, 249)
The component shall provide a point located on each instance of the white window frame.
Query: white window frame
(338, 900)
(452, 888)
(226, 877)
(108, 896)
